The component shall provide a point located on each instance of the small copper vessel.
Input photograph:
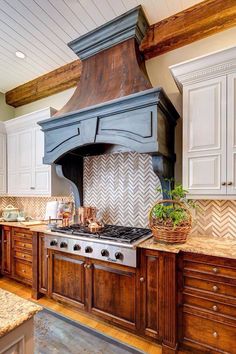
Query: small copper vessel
(85, 214)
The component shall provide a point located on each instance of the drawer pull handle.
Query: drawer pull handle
(88, 266)
(215, 308)
(223, 183)
(85, 265)
(230, 183)
(215, 270)
(23, 256)
(141, 279)
(215, 288)
(215, 334)
(23, 270)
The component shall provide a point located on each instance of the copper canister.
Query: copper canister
(85, 214)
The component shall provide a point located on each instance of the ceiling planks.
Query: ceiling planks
(199, 21)
(192, 24)
(56, 81)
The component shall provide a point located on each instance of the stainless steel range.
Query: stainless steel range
(113, 243)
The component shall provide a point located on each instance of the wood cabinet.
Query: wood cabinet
(66, 278)
(207, 296)
(22, 255)
(6, 250)
(111, 292)
(149, 293)
(209, 134)
(27, 175)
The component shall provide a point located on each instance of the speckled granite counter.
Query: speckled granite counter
(212, 246)
(14, 311)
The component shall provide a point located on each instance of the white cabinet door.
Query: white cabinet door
(231, 135)
(12, 161)
(204, 138)
(25, 161)
(3, 164)
(42, 176)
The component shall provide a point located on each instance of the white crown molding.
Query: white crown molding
(206, 67)
(27, 120)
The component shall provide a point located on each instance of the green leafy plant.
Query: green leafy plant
(171, 214)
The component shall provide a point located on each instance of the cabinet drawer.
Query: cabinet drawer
(210, 286)
(23, 244)
(23, 256)
(205, 304)
(209, 334)
(23, 270)
(212, 269)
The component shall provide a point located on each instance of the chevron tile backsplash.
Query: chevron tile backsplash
(122, 186)
(216, 218)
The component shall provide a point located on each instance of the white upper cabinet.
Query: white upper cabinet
(27, 175)
(208, 85)
(3, 166)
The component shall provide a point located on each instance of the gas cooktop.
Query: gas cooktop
(123, 234)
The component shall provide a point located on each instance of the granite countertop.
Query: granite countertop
(19, 224)
(212, 246)
(208, 245)
(14, 311)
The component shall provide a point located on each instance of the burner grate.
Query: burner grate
(122, 234)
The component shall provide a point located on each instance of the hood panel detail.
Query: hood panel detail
(114, 107)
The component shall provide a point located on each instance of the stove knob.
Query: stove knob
(77, 247)
(63, 245)
(53, 243)
(119, 256)
(105, 253)
(88, 249)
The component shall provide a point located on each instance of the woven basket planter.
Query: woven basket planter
(170, 234)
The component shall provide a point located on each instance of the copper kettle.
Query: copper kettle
(86, 214)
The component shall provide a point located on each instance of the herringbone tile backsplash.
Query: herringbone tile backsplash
(122, 186)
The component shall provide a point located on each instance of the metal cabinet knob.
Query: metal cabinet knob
(141, 279)
(23, 270)
(85, 265)
(215, 308)
(88, 266)
(230, 183)
(47, 255)
(215, 288)
(215, 270)
(215, 334)
(223, 183)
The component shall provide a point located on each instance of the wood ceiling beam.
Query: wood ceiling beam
(185, 27)
(55, 81)
(197, 22)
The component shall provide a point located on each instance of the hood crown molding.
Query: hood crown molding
(132, 24)
(208, 66)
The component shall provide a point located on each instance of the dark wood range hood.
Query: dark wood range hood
(114, 108)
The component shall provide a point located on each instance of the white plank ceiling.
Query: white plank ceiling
(41, 30)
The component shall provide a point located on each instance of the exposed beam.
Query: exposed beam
(199, 21)
(43, 86)
(192, 24)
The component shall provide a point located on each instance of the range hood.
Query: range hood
(114, 108)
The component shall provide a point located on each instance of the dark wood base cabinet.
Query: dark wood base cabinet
(207, 300)
(186, 301)
(17, 257)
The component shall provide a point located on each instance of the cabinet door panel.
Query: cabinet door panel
(6, 250)
(231, 135)
(25, 149)
(113, 293)
(66, 277)
(43, 265)
(204, 138)
(150, 294)
(2, 163)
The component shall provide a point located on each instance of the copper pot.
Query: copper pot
(86, 214)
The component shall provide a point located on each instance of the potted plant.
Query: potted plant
(170, 219)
